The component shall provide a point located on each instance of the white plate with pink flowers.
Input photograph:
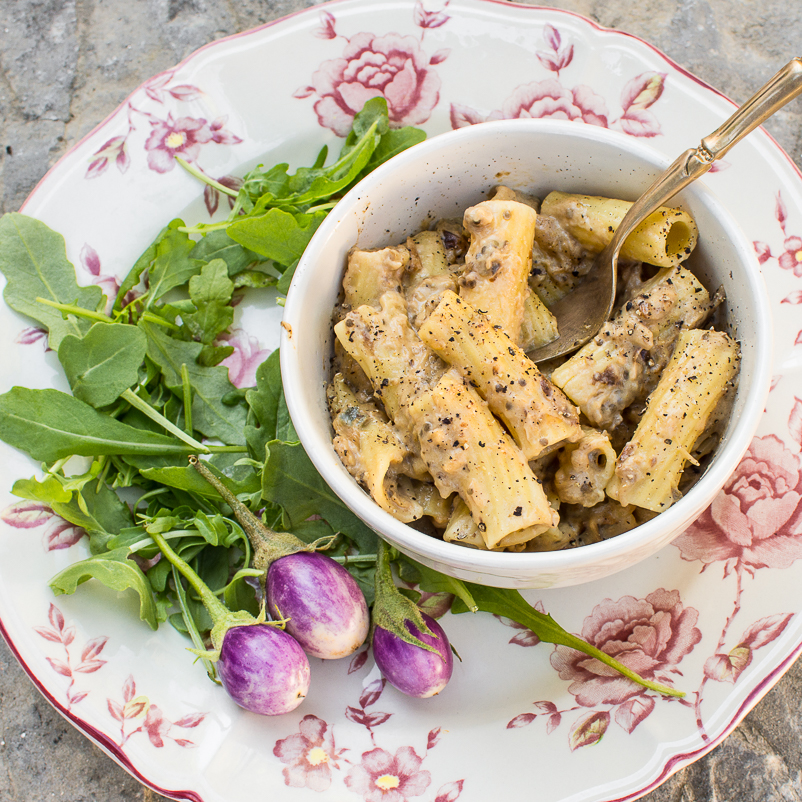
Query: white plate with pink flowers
(715, 613)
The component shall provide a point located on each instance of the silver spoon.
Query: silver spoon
(582, 312)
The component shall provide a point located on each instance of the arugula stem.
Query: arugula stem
(322, 207)
(187, 388)
(189, 623)
(149, 317)
(57, 466)
(78, 311)
(356, 559)
(150, 494)
(135, 401)
(203, 228)
(192, 170)
(104, 471)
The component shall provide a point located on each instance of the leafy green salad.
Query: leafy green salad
(148, 391)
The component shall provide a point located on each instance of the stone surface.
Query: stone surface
(66, 64)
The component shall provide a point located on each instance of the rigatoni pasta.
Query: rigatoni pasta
(442, 417)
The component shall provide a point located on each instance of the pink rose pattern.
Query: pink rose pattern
(650, 636)
(391, 66)
(57, 533)
(247, 356)
(550, 98)
(133, 709)
(756, 521)
(169, 136)
(312, 760)
(149, 719)
(790, 259)
(65, 664)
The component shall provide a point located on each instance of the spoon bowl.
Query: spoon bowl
(582, 313)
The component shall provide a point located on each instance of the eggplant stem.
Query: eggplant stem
(217, 610)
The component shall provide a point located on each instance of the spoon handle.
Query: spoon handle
(695, 162)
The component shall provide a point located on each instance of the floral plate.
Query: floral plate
(715, 613)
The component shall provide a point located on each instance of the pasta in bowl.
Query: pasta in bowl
(444, 434)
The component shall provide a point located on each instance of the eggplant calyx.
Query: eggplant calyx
(392, 610)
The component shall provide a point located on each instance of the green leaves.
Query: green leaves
(276, 214)
(279, 235)
(172, 265)
(34, 261)
(210, 416)
(210, 293)
(290, 480)
(115, 571)
(50, 425)
(147, 390)
(103, 363)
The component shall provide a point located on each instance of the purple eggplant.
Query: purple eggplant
(319, 602)
(410, 647)
(411, 669)
(326, 611)
(263, 669)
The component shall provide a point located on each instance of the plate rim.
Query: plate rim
(669, 766)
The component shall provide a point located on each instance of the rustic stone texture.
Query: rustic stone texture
(66, 64)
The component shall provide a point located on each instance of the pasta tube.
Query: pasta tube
(398, 365)
(373, 451)
(665, 238)
(617, 367)
(462, 529)
(535, 412)
(498, 261)
(370, 274)
(539, 326)
(585, 468)
(468, 452)
(649, 467)
(428, 275)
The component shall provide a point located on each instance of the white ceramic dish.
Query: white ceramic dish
(727, 595)
(441, 178)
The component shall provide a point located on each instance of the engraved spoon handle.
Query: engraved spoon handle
(695, 162)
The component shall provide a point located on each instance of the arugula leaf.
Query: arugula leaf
(373, 115)
(210, 292)
(104, 362)
(392, 143)
(210, 416)
(172, 266)
(218, 245)
(50, 425)
(188, 479)
(434, 582)
(290, 480)
(277, 234)
(97, 509)
(115, 571)
(134, 275)
(263, 402)
(34, 261)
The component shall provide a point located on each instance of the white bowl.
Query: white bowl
(441, 178)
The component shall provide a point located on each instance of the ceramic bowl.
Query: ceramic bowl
(441, 178)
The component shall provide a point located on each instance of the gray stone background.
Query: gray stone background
(66, 64)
